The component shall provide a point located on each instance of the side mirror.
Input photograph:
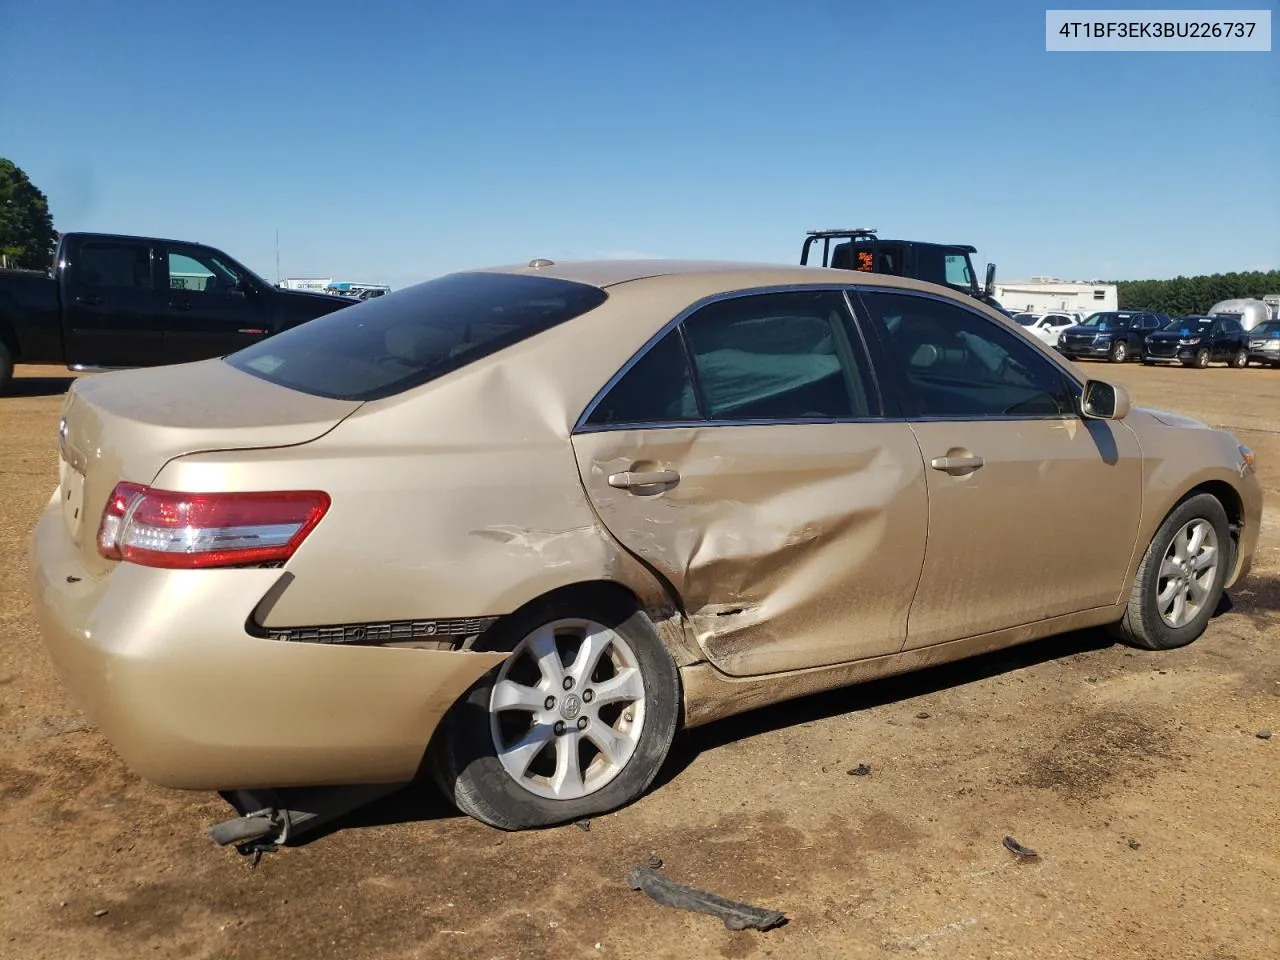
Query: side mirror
(989, 287)
(1104, 401)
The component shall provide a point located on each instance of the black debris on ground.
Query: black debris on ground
(1018, 850)
(736, 915)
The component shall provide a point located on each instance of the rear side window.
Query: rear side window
(656, 389)
(385, 346)
(114, 265)
(777, 357)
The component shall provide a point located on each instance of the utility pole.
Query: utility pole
(277, 256)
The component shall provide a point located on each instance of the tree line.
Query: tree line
(1191, 295)
(27, 237)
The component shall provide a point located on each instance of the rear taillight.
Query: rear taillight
(166, 528)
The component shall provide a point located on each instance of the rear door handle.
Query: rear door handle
(956, 464)
(628, 479)
(181, 304)
(90, 299)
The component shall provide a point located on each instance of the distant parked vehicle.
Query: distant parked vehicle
(1264, 343)
(1115, 335)
(116, 301)
(1198, 341)
(1248, 311)
(1045, 327)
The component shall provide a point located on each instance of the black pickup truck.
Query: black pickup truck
(119, 301)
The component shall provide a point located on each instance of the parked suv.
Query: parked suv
(1116, 335)
(1198, 341)
(1264, 343)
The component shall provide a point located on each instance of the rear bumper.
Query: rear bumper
(161, 662)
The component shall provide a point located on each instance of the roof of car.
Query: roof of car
(730, 273)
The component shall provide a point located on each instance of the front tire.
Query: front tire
(1180, 580)
(1119, 352)
(1202, 358)
(575, 723)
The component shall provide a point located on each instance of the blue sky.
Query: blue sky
(394, 141)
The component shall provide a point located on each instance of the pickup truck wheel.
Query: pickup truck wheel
(576, 722)
(1180, 580)
(1241, 359)
(1119, 352)
(6, 368)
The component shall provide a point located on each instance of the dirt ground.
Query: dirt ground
(1138, 777)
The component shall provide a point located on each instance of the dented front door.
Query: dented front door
(792, 545)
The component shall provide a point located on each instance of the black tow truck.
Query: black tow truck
(861, 249)
(113, 301)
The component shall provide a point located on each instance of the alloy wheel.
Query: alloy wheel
(567, 709)
(1187, 573)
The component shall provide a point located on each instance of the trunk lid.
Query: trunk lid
(129, 424)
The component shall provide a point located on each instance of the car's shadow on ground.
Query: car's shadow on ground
(37, 387)
(421, 801)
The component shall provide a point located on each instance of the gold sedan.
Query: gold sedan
(526, 522)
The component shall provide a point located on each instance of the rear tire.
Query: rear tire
(557, 785)
(6, 368)
(1176, 590)
(1241, 359)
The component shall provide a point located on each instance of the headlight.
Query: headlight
(1188, 343)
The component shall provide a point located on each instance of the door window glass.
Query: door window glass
(200, 272)
(657, 389)
(782, 356)
(955, 363)
(114, 264)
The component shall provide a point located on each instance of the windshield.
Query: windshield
(1026, 319)
(1270, 328)
(1108, 321)
(1189, 326)
(393, 343)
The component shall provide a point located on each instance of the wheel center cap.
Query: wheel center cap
(571, 706)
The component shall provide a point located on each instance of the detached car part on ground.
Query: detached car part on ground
(526, 522)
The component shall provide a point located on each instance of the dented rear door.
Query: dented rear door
(791, 546)
(791, 543)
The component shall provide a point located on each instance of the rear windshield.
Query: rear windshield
(393, 343)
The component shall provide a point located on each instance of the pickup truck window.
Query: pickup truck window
(385, 346)
(958, 274)
(200, 271)
(114, 264)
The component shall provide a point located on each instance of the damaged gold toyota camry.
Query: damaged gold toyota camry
(512, 528)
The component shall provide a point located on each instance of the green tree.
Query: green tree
(27, 237)
(1184, 295)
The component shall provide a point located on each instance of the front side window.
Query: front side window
(196, 271)
(114, 265)
(391, 344)
(956, 364)
(781, 356)
(958, 272)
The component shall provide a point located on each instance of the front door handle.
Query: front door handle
(956, 465)
(89, 299)
(628, 479)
